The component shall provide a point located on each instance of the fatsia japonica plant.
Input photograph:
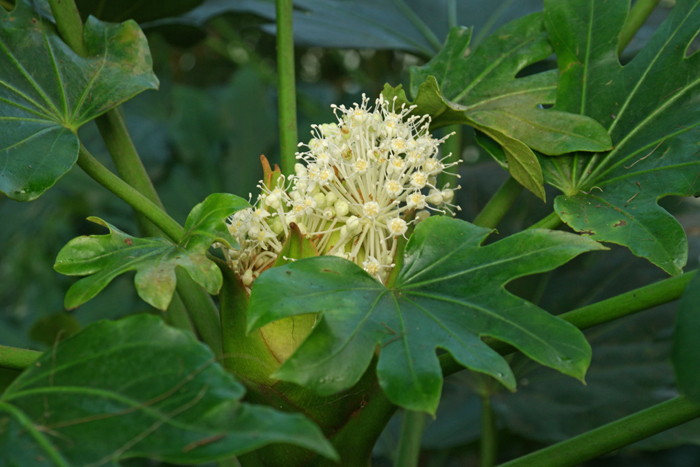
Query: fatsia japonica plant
(297, 320)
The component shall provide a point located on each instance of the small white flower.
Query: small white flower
(397, 226)
(371, 209)
(393, 188)
(419, 180)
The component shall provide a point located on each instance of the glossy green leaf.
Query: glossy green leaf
(686, 351)
(104, 257)
(649, 108)
(483, 86)
(136, 388)
(482, 90)
(448, 293)
(47, 92)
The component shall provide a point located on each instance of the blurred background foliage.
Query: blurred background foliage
(213, 117)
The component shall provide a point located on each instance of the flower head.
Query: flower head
(360, 177)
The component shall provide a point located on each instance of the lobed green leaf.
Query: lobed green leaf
(479, 88)
(47, 92)
(137, 388)
(448, 294)
(104, 257)
(649, 109)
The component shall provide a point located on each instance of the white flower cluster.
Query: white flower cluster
(362, 175)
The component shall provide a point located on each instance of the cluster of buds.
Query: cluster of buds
(350, 197)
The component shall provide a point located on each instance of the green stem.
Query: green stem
(133, 198)
(70, 26)
(17, 359)
(409, 443)
(286, 88)
(612, 436)
(124, 155)
(627, 303)
(177, 316)
(552, 221)
(452, 21)
(635, 19)
(419, 24)
(499, 204)
(488, 447)
(202, 310)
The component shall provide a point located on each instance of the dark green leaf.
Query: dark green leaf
(47, 92)
(686, 351)
(136, 388)
(482, 90)
(649, 109)
(368, 24)
(138, 10)
(104, 257)
(449, 292)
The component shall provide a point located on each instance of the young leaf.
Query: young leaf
(47, 92)
(649, 109)
(448, 293)
(104, 257)
(137, 388)
(686, 353)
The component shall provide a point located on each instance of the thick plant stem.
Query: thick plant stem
(612, 436)
(552, 221)
(635, 19)
(17, 359)
(127, 193)
(409, 443)
(176, 314)
(286, 87)
(499, 204)
(124, 155)
(488, 448)
(70, 26)
(202, 310)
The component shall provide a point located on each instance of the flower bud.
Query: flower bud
(422, 215)
(342, 208)
(448, 195)
(320, 200)
(247, 277)
(434, 197)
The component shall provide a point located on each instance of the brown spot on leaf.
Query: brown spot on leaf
(587, 232)
(330, 270)
(128, 241)
(620, 224)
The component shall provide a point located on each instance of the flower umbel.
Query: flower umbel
(350, 197)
